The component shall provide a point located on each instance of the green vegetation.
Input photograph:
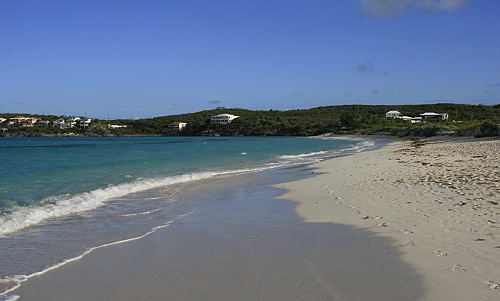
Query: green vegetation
(476, 120)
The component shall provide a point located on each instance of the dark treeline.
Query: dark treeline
(357, 119)
(354, 119)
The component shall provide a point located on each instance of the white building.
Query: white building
(177, 125)
(42, 123)
(416, 119)
(72, 121)
(60, 123)
(223, 118)
(2, 119)
(393, 114)
(24, 121)
(436, 116)
(84, 122)
(116, 126)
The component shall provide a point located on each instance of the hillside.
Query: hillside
(355, 119)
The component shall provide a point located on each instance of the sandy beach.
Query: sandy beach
(241, 243)
(415, 220)
(437, 198)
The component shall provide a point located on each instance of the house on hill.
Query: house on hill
(60, 122)
(393, 115)
(223, 118)
(178, 125)
(435, 116)
(42, 123)
(71, 122)
(423, 117)
(84, 123)
(116, 126)
(23, 121)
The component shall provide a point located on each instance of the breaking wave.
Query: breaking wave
(23, 217)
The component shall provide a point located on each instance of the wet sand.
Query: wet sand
(241, 243)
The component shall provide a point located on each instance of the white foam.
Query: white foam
(19, 279)
(9, 298)
(61, 206)
(142, 213)
(363, 146)
(300, 156)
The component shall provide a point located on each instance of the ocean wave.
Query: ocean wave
(23, 217)
(300, 156)
(60, 206)
(362, 146)
(142, 213)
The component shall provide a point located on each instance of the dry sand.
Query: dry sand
(439, 199)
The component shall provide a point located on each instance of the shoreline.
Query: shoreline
(395, 192)
(437, 198)
(241, 243)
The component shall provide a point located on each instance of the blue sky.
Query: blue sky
(138, 59)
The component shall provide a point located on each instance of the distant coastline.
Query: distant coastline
(461, 120)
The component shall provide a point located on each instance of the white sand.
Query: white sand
(439, 201)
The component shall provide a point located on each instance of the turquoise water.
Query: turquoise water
(67, 196)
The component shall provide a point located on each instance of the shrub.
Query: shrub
(488, 129)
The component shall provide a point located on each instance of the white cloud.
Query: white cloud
(384, 8)
(439, 5)
(392, 8)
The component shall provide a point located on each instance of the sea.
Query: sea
(62, 197)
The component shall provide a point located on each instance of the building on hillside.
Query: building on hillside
(61, 123)
(223, 118)
(178, 125)
(84, 123)
(2, 119)
(435, 116)
(407, 118)
(42, 123)
(23, 121)
(116, 126)
(18, 119)
(73, 121)
(423, 117)
(393, 114)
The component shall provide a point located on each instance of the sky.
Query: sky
(129, 59)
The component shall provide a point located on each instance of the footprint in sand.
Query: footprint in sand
(493, 285)
(440, 253)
